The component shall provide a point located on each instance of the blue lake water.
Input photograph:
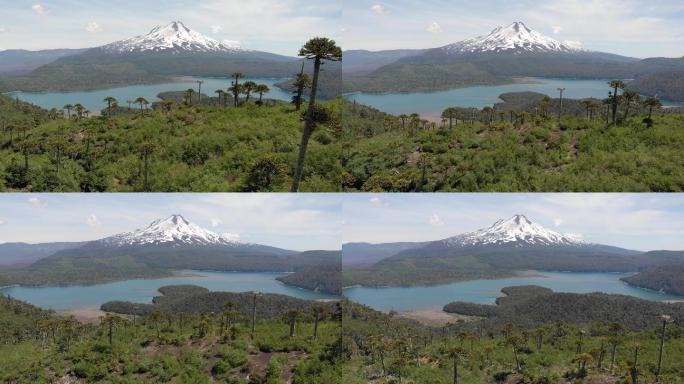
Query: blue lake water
(142, 290)
(486, 291)
(92, 100)
(431, 104)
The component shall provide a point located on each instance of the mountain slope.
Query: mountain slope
(503, 249)
(22, 254)
(499, 57)
(20, 61)
(166, 51)
(158, 250)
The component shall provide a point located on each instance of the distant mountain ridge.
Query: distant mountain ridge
(501, 56)
(500, 250)
(161, 55)
(164, 246)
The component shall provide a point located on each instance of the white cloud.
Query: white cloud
(376, 201)
(231, 236)
(557, 29)
(215, 222)
(216, 28)
(573, 44)
(36, 202)
(3, 222)
(379, 10)
(3, 30)
(434, 27)
(39, 9)
(93, 221)
(557, 221)
(575, 236)
(93, 27)
(435, 220)
(232, 43)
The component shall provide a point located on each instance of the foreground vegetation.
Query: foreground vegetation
(170, 347)
(180, 147)
(521, 146)
(390, 349)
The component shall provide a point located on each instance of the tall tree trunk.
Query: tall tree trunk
(308, 128)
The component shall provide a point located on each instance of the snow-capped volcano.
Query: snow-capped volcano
(174, 37)
(517, 230)
(516, 37)
(175, 229)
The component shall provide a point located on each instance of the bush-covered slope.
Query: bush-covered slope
(191, 148)
(170, 347)
(518, 151)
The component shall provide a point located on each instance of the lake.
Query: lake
(92, 100)
(486, 291)
(431, 104)
(142, 290)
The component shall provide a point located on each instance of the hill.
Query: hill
(37, 346)
(519, 146)
(667, 85)
(193, 299)
(323, 278)
(533, 306)
(668, 279)
(20, 61)
(390, 348)
(189, 148)
(23, 254)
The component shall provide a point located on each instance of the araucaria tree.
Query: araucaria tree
(301, 82)
(235, 87)
(317, 49)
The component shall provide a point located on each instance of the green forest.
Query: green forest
(182, 148)
(239, 142)
(386, 348)
(291, 346)
(621, 144)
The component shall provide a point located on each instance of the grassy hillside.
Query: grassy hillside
(169, 347)
(389, 349)
(190, 148)
(669, 279)
(515, 151)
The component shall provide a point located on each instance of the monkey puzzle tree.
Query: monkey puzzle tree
(318, 49)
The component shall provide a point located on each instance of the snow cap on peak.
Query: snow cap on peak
(175, 37)
(174, 229)
(517, 229)
(516, 37)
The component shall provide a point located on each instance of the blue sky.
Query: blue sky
(299, 222)
(279, 26)
(629, 27)
(634, 221)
